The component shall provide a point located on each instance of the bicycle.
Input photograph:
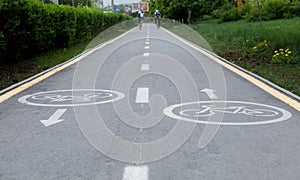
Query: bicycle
(157, 22)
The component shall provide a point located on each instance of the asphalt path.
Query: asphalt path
(148, 105)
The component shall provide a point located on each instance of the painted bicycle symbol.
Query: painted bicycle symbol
(71, 97)
(246, 113)
(84, 98)
(209, 110)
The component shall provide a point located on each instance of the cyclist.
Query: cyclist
(141, 17)
(157, 17)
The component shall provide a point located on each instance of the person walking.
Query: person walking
(141, 17)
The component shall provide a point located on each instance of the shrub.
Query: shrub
(274, 9)
(29, 27)
(231, 15)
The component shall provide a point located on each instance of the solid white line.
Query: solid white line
(145, 67)
(136, 173)
(146, 54)
(142, 95)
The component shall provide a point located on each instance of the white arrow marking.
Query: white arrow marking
(54, 118)
(136, 173)
(210, 93)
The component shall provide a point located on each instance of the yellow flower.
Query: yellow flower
(290, 52)
(254, 47)
(286, 55)
(276, 52)
(281, 49)
(274, 55)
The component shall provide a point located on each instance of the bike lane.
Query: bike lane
(65, 150)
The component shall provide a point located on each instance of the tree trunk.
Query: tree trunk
(260, 18)
(189, 15)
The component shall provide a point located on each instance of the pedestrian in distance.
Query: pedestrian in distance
(141, 17)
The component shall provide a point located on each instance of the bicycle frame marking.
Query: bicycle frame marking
(234, 108)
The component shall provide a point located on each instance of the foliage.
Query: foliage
(179, 9)
(274, 9)
(226, 10)
(29, 27)
(231, 15)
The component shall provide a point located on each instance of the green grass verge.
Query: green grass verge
(249, 46)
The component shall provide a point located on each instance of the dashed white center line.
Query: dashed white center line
(147, 42)
(136, 173)
(145, 67)
(142, 95)
(147, 47)
(146, 54)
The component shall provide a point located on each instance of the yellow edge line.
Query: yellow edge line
(27, 85)
(284, 98)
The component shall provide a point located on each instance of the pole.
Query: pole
(112, 6)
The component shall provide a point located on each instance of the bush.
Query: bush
(231, 15)
(29, 27)
(274, 9)
(293, 10)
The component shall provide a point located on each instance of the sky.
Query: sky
(108, 2)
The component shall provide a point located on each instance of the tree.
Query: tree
(186, 10)
(76, 2)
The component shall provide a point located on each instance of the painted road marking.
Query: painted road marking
(136, 173)
(142, 95)
(145, 67)
(146, 54)
(147, 47)
(147, 42)
(54, 118)
(210, 93)
(264, 114)
(71, 97)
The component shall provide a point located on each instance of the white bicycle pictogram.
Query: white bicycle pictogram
(209, 110)
(246, 113)
(61, 98)
(71, 97)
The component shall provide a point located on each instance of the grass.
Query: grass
(252, 48)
